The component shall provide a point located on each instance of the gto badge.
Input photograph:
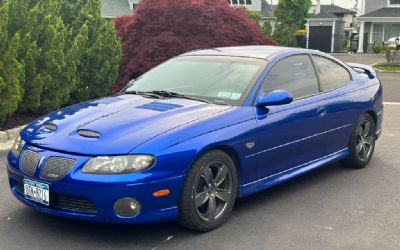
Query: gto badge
(250, 145)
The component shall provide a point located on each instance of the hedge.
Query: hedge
(54, 53)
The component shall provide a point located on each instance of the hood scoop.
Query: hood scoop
(88, 133)
(159, 106)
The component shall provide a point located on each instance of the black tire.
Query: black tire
(357, 159)
(194, 216)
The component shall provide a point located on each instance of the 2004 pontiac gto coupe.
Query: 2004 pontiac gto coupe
(187, 138)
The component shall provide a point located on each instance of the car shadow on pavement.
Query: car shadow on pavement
(291, 187)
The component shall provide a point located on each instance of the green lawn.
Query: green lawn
(387, 67)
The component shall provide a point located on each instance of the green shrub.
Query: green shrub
(365, 42)
(386, 50)
(378, 48)
(101, 54)
(256, 16)
(267, 28)
(290, 17)
(345, 43)
(54, 53)
(11, 70)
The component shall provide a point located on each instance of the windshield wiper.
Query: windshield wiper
(147, 94)
(170, 94)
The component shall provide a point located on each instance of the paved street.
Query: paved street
(332, 208)
(361, 58)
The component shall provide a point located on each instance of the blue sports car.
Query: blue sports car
(187, 138)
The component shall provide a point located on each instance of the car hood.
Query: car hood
(114, 125)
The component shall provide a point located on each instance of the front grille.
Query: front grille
(56, 168)
(66, 202)
(74, 204)
(29, 162)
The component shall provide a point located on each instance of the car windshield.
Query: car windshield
(219, 79)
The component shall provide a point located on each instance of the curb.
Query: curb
(386, 71)
(358, 54)
(8, 137)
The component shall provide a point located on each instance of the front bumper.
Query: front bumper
(92, 197)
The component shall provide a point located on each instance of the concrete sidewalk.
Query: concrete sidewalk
(368, 59)
(8, 137)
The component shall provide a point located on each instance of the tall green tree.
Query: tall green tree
(66, 52)
(267, 29)
(256, 16)
(101, 54)
(290, 16)
(49, 80)
(11, 70)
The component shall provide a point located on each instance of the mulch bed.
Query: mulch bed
(18, 120)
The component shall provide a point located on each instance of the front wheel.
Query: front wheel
(362, 143)
(209, 192)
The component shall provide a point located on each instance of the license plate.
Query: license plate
(37, 191)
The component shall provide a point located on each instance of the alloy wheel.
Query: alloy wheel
(212, 192)
(365, 140)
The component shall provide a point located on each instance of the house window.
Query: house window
(394, 2)
(240, 2)
(392, 31)
(385, 32)
(377, 33)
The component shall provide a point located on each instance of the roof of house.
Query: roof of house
(115, 8)
(334, 9)
(331, 11)
(323, 14)
(384, 12)
(253, 51)
(327, 11)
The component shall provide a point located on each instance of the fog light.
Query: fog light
(127, 207)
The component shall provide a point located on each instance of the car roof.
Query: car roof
(254, 51)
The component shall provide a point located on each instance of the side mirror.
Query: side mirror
(275, 98)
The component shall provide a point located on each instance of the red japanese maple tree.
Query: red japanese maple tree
(161, 29)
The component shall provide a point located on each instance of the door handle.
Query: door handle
(322, 111)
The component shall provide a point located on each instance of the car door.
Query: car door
(288, 135)
(335, 83)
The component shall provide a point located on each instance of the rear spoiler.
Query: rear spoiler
(364, 69)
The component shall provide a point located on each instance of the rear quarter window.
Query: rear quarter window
(331, 74)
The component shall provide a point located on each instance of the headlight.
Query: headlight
(118, 164)
(17, 147)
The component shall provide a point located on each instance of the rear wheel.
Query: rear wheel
(362, 143)
(209, 192)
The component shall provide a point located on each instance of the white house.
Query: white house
(380, 21)
(111, 9)
(334, 11)
(252, 5)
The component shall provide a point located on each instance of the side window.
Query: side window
(331, 74)
(295, 74)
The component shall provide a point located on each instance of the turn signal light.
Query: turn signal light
(163, 192)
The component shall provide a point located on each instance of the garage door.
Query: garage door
(320, 38)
